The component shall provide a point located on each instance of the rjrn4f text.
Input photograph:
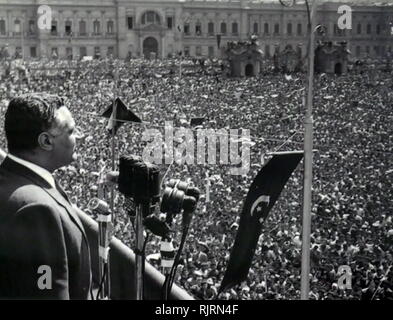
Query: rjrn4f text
(203, 309)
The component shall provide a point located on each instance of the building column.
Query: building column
(163, 46)
(103, 24)
(88, 23)
(60, 24)
(9, 23)
(140, 46)
(244, 23)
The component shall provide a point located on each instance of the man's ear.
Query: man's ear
(45, 141)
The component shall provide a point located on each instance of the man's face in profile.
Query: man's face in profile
(65, 136)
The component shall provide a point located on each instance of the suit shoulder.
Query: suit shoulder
(37, 210)
(17, 194)
(30, 193)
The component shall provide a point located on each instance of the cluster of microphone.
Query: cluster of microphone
(140, 184)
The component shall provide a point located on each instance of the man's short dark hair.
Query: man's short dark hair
(27, 116)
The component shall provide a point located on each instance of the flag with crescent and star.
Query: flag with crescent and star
(261, 197)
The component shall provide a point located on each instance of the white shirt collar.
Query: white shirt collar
(43, 173)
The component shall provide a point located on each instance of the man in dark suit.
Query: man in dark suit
(44, 251)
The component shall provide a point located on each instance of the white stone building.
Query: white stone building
(123, 27)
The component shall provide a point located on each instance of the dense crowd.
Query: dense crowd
(351, 212)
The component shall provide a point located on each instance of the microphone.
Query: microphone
(189, 207)
(157, 227)
(98, 205)
(104, 219)
(111, 177)
(184, 186)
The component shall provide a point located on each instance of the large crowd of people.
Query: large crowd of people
(351, 212)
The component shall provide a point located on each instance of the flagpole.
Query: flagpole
(23, 39)
(180, 67)
(114, 112)
(308, 161)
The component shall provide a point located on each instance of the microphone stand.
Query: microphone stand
(138, 252)
(142, 210)
(104, 219)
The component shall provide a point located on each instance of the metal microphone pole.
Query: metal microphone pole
(104, 219)
(141, 210)
(139, 252)
(139, 182)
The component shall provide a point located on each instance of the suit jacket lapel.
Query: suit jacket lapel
(54, 193)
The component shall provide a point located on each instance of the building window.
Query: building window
(130, 23)
(255, 28)
(82, 27)
(369, 29)
(378, 29)
(82, 52)
(33, 52)
(267, 51)
(336, 30)
(211, 52)
(17, 26)
(368, 49)
(358, 51)
(359, 29)
(97, 52)
(289, 28)
(53, 30)
(198, 50)
(2, 27)
(150, 17)
(169, 22)
(18, 52)
(68, 28)
(299, 29)
(235, 30)
(187, 51)
(109, 27)
(266, 28)
(96, 27)
(223, 28)
(299, 50)
(54, 53)
(31, 27)
(111, 51)
(376, 50)
(198, 29)
(69, 53)
(276, 29)
(210, 28)
(187, 28)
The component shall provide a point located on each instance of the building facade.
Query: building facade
(161, 28)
